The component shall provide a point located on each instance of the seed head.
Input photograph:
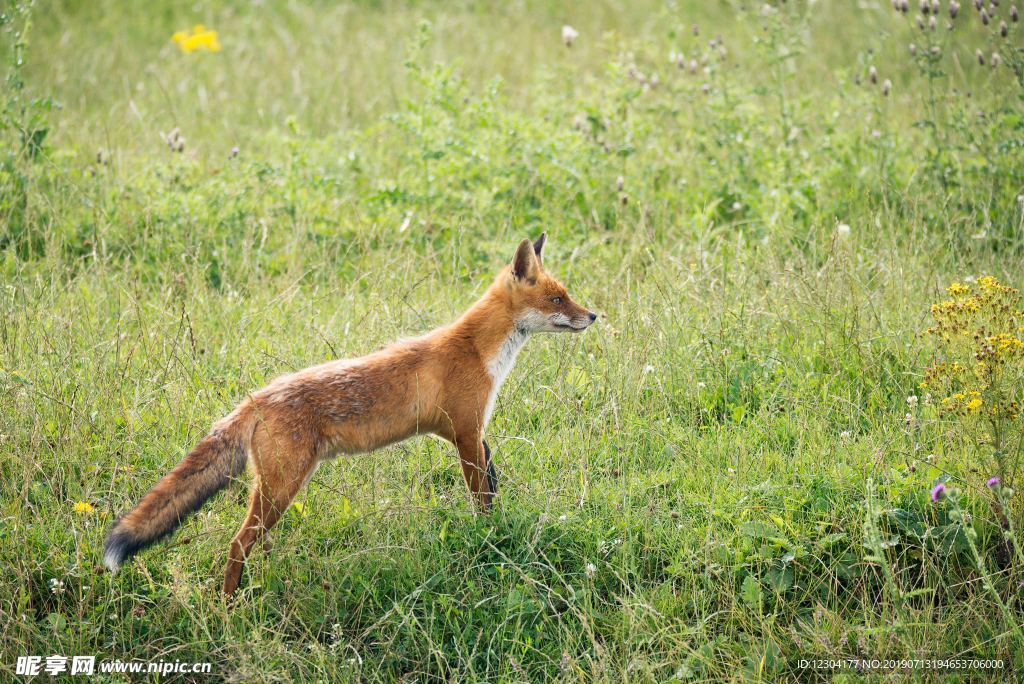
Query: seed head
(1014, 17)
(932, 22)
(1003, 29)
(904, 6)
(936, 50)
(886, 87)
(978, 5)
(569, 35)
(925, 6)
(954, 9)
(175, 140)
(913, 50)
(995, 60)
(935, 6)
(873, 74)
(981, 57)
(920, 22)
(984, 17)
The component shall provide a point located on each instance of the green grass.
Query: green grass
(689, 490)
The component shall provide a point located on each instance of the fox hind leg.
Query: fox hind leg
(270, 498)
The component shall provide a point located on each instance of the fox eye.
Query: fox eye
(557, 301)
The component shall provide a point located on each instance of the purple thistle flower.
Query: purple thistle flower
(938, 491)
(992, 482)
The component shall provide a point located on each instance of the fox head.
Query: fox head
(541, 303)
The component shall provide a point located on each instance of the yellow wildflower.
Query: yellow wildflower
(958, 289)
(974, 404)
(201, 38)
(83, 508)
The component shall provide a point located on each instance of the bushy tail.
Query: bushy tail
(208, 468)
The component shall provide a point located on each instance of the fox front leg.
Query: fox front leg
(492, 474)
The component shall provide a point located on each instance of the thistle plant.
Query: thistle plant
(952, 498)
(979, 367)
(983, 36)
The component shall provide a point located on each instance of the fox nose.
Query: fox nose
(593, 316)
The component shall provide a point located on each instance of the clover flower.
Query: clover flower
(569, 35)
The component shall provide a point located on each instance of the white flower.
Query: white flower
(56, 586)
(563, 518)
(590, 569)
(648, 369)
(912, 401)
(846, 434)
(569, 34)
(843, 229)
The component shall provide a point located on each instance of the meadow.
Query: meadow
(758, 456)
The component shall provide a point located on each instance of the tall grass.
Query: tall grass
(717, 481)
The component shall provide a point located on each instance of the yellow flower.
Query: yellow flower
(974, 404)
(957, 289)
(201, 38)
(83, 508)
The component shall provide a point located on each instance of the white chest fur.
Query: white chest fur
(499, 366)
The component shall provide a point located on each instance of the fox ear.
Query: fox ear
(538, 247)
(524, 264)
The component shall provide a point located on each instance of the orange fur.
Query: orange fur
(443, 383)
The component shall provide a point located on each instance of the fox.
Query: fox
(444, 383)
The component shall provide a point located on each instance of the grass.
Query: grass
(717, 481)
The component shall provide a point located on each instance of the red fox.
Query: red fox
(444, 383)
